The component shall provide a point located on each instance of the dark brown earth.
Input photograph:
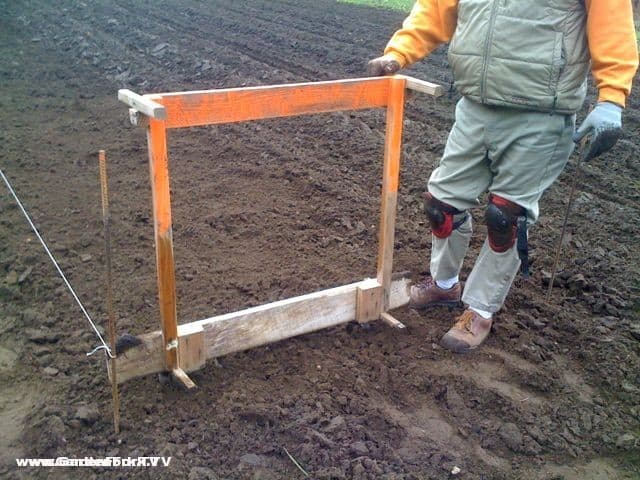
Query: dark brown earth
(268, 210)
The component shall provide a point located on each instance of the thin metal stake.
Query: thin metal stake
(106, 220)
(584, 156)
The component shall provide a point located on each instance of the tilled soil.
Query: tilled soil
(272, 209)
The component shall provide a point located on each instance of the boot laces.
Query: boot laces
(425, 284)
(464, 321)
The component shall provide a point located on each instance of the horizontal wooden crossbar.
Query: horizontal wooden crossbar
(422, 86)
(234, 332)
(142, 104)
(209, 107)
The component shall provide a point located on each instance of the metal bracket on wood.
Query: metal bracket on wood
(138, 119)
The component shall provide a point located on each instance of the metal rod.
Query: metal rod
(584, 152)
(106, 220)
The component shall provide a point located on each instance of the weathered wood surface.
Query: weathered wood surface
(392, 321)
(423, 86)
(142, 104)
(390, 182)
(257, 326)
(368, 302)
(165, 268)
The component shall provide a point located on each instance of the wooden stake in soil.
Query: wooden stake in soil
(106, 220)
(390, 182)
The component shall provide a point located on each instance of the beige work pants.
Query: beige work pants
(512, 153)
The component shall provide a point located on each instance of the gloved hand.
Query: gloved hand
(604, 125)
(385, 65)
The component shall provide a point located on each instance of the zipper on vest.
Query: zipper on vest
(487, 46)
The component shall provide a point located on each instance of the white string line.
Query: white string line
(24, 212)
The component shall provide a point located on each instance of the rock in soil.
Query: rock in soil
(52, 371)
(628, 441)
(511, 436)
(87, 414)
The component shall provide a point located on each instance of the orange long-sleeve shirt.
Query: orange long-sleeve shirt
(610, 32)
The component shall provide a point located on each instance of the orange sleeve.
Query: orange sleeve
(430, 23)
(613, 47)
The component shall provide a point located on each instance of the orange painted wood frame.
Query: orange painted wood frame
(165, 267)
(196, 108)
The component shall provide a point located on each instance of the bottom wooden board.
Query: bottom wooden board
(256, 326)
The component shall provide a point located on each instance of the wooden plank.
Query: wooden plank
(368, 302)
(208, 107)
(143, 359)
(142, 104)
(279, 320)
(182, 378)
(276, 321)
(159, 172)
(399, 292)
(391, 321)
(191, 349)
(256, 326)
(390, 182)
(422, 86)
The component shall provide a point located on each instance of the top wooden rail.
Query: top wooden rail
(229, 105)
(142, 104)
(422, 86)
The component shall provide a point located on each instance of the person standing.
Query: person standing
(521, 68)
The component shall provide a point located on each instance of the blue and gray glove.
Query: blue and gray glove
(604, 126)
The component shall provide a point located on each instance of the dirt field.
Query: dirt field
(268, 210)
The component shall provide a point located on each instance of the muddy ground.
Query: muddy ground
(272, 209)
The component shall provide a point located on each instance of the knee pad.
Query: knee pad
(443, 217)
(502, 222)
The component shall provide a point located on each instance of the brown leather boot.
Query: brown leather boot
(469, 331)
(427, 294)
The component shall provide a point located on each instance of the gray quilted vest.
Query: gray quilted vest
(525, 54)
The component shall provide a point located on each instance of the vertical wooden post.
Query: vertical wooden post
(390, 181)
(159, 170)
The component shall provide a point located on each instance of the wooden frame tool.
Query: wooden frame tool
(184, 348)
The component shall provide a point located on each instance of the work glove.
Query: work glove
(385, 65)
(604, 126)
